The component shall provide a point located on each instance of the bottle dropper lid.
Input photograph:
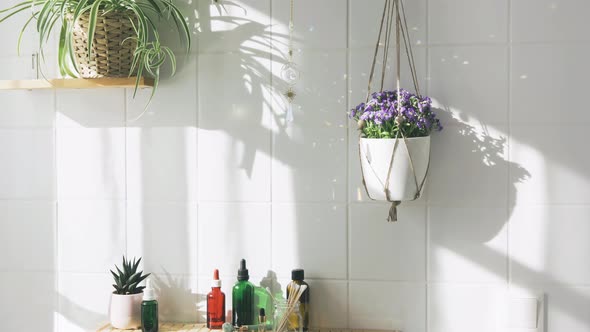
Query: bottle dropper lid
(243, 271)
(298, 274)
(262, 316)
(148, 292)
(216, 282)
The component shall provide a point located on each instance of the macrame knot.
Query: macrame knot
(361, 124)
(393, 211)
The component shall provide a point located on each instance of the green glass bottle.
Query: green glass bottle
(149, 310)
(243, 298)
(263, 300)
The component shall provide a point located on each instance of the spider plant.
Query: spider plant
(149, 55)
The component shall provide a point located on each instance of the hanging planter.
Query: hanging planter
(395, 126)
(376, 155)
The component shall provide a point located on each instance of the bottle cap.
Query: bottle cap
(216, 282)
(148, 292)
(243, 271)
(262, 316)
(297, 274)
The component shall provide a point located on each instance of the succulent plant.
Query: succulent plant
(127, 281)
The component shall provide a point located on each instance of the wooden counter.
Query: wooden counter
(182, 327)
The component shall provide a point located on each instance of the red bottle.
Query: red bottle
(215, 304)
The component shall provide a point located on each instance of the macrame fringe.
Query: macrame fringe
(393, 211)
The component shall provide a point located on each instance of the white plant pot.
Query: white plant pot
(375, 160)
(125, 311)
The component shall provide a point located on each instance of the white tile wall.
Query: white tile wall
(91, 163)
(467, 245)
(483, 152)
(28, 236)
(83, 300)
(234, 165)
(27, 165)
(373, 240)
(312, 29)
(553, 68)
(464, 308)
(387, 306)
(555, 21)
(556, 166)
(164, 234)
(212, 172)
(328, 300)
(228, 232)
(309, 165)
(91, 235)
(27, 295)
(466, 21)
(539, 253)
(366, 19)
(470, 82)
(161, 163)
(300, 234)
(26, 108)
(233, 26)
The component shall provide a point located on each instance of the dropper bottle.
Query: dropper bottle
(149, 309)
(215, 304)
(243, 298)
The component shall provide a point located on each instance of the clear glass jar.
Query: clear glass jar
(282, 323)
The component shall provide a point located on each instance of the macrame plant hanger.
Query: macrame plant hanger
(394, 14)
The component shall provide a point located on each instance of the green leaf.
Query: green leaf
(136, 265)
(22, 32)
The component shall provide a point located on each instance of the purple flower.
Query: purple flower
(384, 107)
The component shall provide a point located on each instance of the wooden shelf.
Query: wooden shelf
(76, 83)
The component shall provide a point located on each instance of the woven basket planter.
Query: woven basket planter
(110, 57)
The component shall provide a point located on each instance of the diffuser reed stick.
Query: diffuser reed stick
(295, 294)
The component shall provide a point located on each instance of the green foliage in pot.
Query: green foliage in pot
(149, 56)
(127, 279)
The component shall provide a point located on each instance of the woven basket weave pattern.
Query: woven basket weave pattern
(110, 57)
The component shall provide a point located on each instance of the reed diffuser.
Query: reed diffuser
(284, 312)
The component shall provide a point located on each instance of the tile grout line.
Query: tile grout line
(347, 156)
(196, 202)
(427, 207)
(508, 144)
(125, 161)
(56, 214)
(272, 138)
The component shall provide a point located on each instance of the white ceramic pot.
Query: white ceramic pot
(375, 160)
(125, 311)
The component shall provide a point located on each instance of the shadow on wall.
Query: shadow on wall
(178, 302)
(486, 151)
(488, 160)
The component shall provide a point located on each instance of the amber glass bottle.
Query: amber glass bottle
(297, 277)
